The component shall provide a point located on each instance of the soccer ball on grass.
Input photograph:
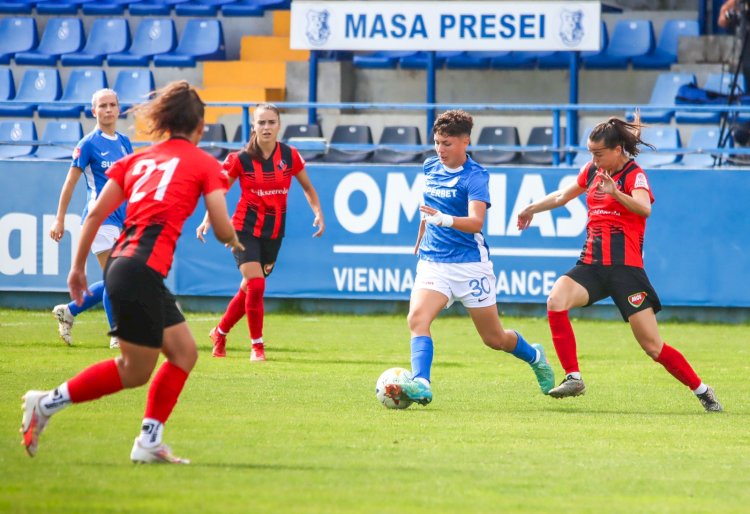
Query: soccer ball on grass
(388, 377)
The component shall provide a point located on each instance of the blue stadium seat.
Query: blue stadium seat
(133, 87)
(37, 86)
(107, 36)
(16, 7)
(7, 85)
(541, 136)
(292, 131)
(200, 7)
(603, 43)
(718, 83)
(154, 7)
(243, 8)
(664, 54)
(630, 39)
(58, 7)
(383, 59)
(470, 60)
(65, 134)
(81, 86)
(16, 35)
(153, 36)
(11, 131)
(583, 156)
(107, 7)
(664, 93)
(349, 134)
(553, 60)
(702, 138)
(270, 5)
(418, 61)
(202, 40)
(61, 36)
(505, 136)
(660, 137)
(513, 61)
(215, 133)
(394, 136)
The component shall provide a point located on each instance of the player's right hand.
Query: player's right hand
(202, 230)
(57, 230)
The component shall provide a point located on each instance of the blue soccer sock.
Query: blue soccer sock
(524, 350)
(97, 290)
(421, 356)
(108, 308)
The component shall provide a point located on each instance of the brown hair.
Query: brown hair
(174, 109)
(253, 148)
(455, 122)
(616, 132)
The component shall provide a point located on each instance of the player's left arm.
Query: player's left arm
(110, 199)
(472, 223)
(637, 202)
(312, 198)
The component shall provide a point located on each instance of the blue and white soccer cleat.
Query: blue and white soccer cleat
(543, 371)
(416, 390)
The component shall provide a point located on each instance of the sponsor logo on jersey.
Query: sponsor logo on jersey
(637, 299)
(640, 182)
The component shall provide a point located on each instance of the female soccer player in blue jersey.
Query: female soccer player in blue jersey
(454, 260)
(93, 155)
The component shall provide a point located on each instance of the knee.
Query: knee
(417, 321)
(186, 360)
(652, 348)
(132, 375)
(555, 303)
(504, 341)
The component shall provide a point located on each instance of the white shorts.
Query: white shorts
(105, 239)
(471, 283)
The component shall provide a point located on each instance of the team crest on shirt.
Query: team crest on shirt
(283, 165)
(637, 299)
(571, 28)
(76, 153)
(318, 30)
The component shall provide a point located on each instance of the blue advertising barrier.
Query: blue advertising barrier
(696, 248)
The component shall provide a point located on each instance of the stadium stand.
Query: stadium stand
(106, 7)
(540, 136)
(394, 136)
(662, 137)
(153, 36)
(107, 36)
(664, 93)
(245, 8)
(65, 135)
(664, 53)
(200, 7)
(302, 130)
(720, 83)
(81, 86)
(349, 134)
(16, 7)
(419, 60)
(16, 35)
(7, 85)
(133, 86)
(497, 135)
(38, 86)
(702, 138)
(630, 39)
(58, 7)
(200, 41)
(383, 59)
(237, 138)
(11, 131)
(583, 156)
(61, 36)
(215, 133)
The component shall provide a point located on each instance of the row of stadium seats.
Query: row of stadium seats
(144, 7)
(665, 92)
(64, 135)
(109, 39)
(632, 42)
(40, 88)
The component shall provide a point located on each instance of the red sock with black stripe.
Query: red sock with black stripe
(235, 311)
(99, 380)
(564, 340)
(164, 391)
(254, 306)
(678, 366)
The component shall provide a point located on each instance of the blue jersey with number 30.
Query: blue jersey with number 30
(94, 154)
(450, 192)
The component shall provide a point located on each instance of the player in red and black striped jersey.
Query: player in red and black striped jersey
(619, 200)
(162, 185)
(265, 170)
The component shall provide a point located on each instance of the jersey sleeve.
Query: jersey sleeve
(232, 165)
(583, 176)
(478, 187)
(117, 172)
(128, 146)
(298, 163)
(81, 155)
(215, 178)
(638, 180)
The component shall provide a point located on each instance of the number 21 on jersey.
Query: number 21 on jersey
(146, 168)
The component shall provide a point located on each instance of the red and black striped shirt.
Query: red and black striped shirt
(265, 183)
(163, 184)
(614, 235)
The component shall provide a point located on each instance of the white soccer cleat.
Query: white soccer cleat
(114, 343)
(161, 454)
(65, 322)
(33, 422)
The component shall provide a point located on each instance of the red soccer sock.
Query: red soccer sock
(235, 311)
(678, 366)
(164, 391)
(564, 340)
(254, 306)
(99, 380)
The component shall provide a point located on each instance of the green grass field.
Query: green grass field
(303, 432)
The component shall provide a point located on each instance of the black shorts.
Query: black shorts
(258, 249)
(142, 306)
(628, 286)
